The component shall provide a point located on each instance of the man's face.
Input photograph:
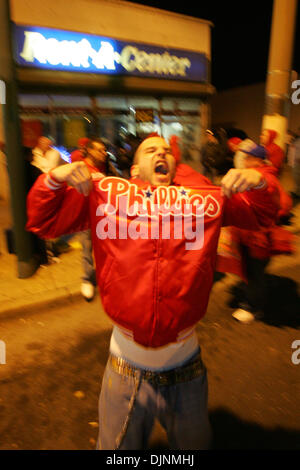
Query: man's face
(155, 162)
(97, 153)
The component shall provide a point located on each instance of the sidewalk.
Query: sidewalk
(58, 283)
(53, 284)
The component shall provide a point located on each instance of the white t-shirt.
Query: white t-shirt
(164, 358)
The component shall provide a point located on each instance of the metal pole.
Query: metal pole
(279, 68)
(26, 261)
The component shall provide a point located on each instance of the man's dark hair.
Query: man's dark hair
(109, 167)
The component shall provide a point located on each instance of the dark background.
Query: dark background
(240, 37)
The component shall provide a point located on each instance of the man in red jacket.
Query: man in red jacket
(257, 247)
(155, 240)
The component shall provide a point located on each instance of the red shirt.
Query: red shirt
(77, 156)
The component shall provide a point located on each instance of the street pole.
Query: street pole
(26, 261)
(279, 68)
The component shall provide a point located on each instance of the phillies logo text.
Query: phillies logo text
(172, 200)
(163, 212)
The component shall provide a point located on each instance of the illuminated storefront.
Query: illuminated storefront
(74, 84)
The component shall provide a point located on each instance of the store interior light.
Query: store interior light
(65, 155)
(177, 126)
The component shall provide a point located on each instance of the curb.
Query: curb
(38, 302)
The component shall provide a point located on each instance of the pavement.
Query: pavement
(53, 284)
(59, 282)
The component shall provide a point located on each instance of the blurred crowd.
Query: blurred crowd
(245, 252)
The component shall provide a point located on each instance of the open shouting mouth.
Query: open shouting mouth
(161, 170)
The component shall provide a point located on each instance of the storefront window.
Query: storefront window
(66, 118)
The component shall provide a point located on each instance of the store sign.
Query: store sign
(71, 51)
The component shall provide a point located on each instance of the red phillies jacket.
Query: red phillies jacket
(151, 282)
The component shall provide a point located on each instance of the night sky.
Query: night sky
(240, 37)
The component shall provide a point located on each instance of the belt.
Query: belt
(170, 377)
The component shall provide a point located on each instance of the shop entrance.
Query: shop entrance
(67, 118)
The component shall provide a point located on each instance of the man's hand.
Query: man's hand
(238, 181)
(75, 174)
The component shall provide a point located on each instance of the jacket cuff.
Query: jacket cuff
(51, 182)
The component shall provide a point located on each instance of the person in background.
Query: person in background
(85, 152)
(294, 162)
(226, 162)
(31, 174)
(215, 155)
(275, 153)
(79, 154)
(210, 154)
(257, 247)
(96, 159)
(233, 144)
(46, 158)
(4, 180)
(210, 136)
(242, 158)
(289, 141)
(126, 148)
(88, 277)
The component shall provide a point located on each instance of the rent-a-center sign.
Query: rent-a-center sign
(79, 52)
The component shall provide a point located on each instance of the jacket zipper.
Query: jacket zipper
(156, 289)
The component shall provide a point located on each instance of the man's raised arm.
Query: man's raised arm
(253, 198)
(56, 203)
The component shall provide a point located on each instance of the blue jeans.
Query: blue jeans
(181, 410)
